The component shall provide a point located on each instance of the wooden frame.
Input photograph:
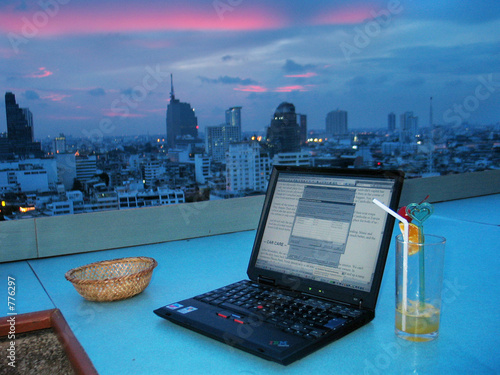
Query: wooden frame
(53, 319)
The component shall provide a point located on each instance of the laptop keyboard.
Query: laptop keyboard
(246, 302)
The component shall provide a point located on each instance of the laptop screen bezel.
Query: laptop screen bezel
(332, 292)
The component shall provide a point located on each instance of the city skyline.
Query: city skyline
(85, 68)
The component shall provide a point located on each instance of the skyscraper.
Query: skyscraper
(408, 126)
(5, 152)
(248, 167)
(233, 119)
(59, 144)
(218, 138)
(336, 122)
(182, 124)
(284, 133)
(391, 121)
(20, 129)
(303, 128)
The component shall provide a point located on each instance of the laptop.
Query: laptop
(315, 268)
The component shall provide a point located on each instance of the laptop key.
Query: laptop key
(317, 333)
(237, 309)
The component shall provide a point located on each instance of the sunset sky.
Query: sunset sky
(86, 66)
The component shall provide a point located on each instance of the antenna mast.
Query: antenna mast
(172, 95)
(431, 115)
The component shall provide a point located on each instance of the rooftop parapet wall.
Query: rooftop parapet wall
(45, 237)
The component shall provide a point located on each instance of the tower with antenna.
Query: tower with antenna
(431, 114)
(172, 94)
(182, 124)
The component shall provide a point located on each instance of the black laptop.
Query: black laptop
(315, 268)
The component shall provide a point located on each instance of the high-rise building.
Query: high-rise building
(182, 124)
(202, 168)
(248, 167)
(391, 121)
(5, 152)
(20, 129)
(284, 133)
(233, 119)
(66, 169)
(408, 126)
(152, 169)
(59, 144)
(336, 122)
(303, 128)
(218, 138)
(86, 167)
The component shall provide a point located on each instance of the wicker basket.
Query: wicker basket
(112, 280)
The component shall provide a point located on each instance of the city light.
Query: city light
(26, 209)
(316, 140)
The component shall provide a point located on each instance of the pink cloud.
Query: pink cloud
(305, 75)
(82, 19)
(41, 73)
(292, 88)
(54, 97)
(251, 88)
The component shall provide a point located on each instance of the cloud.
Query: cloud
(55, 97)
(226, 80)
(41, 73)
(292, 88)
(293, 67)
(302, 75)
(31, 95)
(251, 88)
(98, 91)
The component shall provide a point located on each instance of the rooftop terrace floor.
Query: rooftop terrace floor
(125, 337)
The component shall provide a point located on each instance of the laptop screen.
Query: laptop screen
(325, 228)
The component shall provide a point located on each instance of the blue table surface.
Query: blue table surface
(125, 337)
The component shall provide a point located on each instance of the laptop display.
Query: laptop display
(325, 230)
(315, 268)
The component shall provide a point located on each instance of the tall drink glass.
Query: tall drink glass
(419, 281)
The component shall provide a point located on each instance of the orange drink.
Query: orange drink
(419, 279)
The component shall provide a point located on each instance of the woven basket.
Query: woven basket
(112, 280)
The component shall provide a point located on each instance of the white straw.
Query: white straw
(397, 216)
(405, 258)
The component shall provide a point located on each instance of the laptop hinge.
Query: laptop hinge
(266, 281)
